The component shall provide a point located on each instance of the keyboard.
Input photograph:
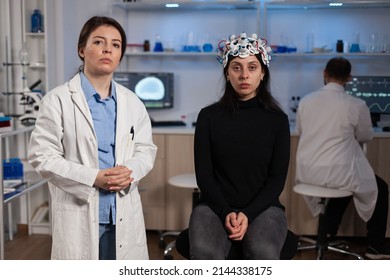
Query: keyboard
(167, 123)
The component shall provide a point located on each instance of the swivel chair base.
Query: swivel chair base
(322, 244)
(335, 246)
(168, 247)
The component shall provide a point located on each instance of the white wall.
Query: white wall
(74, 14)
(197, 80)
(293, 77)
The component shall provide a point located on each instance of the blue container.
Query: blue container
(207, 47)
(36, 21)
(354, 48)
(158, 47)
(12, 169)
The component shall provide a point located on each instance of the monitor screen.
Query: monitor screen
(375, 90)
(154, 89)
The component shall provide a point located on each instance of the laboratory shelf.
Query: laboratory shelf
(188, 5)
(170, 54)
(31, 181)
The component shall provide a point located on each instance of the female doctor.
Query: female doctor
(93, 143)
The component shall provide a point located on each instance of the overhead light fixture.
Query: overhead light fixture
(172, 5)
(335, 4)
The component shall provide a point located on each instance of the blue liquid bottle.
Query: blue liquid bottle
(158, 47)
(36, 21)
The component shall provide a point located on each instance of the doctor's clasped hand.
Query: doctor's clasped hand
(114, 179)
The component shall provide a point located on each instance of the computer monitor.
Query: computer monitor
(375, 90)
(155, 89)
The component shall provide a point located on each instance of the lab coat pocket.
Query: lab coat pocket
(70, 229)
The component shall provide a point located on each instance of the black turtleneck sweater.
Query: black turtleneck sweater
(241, 158)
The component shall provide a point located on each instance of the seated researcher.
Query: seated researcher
(332, 126)
(241, 151)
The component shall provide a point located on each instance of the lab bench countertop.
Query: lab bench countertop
(173, 130)
(378, 133)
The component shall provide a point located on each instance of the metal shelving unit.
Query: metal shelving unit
(31, 182)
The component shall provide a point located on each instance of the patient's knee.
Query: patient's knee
(201, 250)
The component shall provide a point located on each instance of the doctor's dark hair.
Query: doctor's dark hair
(338, 68)
(263, 93)
(92, 24)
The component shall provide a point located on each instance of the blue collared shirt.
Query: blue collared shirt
(103, 112)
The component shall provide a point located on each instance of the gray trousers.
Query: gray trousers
(263, 240)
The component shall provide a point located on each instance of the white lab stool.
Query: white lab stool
(322, 244)
(188, 181)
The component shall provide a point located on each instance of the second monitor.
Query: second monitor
(375, 91)
(155, 89)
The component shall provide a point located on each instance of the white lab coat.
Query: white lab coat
(63, 149)
(332, 126)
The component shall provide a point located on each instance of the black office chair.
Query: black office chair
(288, 251)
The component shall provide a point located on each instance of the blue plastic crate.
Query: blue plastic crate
(12, 169)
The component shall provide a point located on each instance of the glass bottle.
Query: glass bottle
(36, 21)
(24, 57)
(158, 47)
(355, 44)
(339, 46)
(146, 46)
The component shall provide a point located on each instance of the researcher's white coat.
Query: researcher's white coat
(332, 126)
(63, 149)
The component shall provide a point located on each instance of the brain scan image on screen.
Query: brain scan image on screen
(154, 89)
(150, 88)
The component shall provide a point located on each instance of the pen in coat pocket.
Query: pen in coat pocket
(132, 132)
(128, 143)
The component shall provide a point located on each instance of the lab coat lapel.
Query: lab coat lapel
(122, 127)
(83, 122)
(79, 100)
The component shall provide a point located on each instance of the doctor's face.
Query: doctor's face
(245, 75)
(102, 52)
